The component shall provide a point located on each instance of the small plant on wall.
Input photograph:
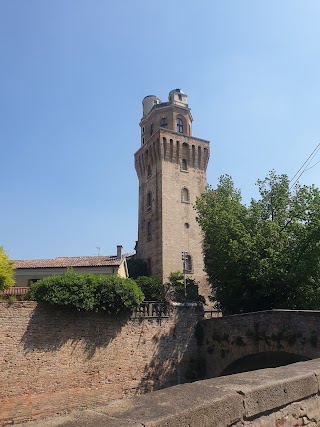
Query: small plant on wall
(87, 291)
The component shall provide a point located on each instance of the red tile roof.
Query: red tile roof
(81, 261)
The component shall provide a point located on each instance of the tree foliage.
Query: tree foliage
(87, 291)
(177, 292)
(137, 267)
(265, 255)
(152, 288)
(6, 270)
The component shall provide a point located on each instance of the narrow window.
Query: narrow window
(149, 201)
(184, 165)
(149, 231)
(188, 264)
(163, 122)
(179, 125)
(185, 195)
(143, 129)
(151, 129)
(142, 140)
(149, 170)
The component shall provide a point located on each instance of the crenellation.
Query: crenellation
(178, 177)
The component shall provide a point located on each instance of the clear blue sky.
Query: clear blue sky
(72, 77)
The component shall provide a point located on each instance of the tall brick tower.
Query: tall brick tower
(171, 166)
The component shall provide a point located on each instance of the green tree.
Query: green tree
(6, 270)
(177, 291)
(137, 267)
(152, 288)
(265, 255)
(87, 291)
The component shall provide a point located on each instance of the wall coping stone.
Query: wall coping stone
(218, 401)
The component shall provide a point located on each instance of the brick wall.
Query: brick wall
(282, 397)
(55, 360)
(228, 339)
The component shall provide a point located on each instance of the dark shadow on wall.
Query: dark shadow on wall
(267, 359)
(50, 327)
(173, 352)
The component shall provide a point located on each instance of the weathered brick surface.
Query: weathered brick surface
(215, 402)
(54, 359)
(230, 338)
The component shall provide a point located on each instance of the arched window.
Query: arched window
(184, 165)
(149, 200)
(164, 122)
(188, 264)
(149, 170)
(151, 129)
(149, 231)
(185, 195)
(179, 125)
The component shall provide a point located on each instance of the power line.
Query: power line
(305, 165)
(312, 166)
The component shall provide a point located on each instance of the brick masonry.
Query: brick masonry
(282, 397)
(55, 359)
(228, 339)
(167, 219)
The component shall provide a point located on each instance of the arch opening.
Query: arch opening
(267, 359)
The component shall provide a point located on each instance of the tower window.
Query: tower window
(179, 125)
(188, 264)
(149, 170)
(149, 231)
(143, 129)
(185, 198)
(149, 201)
(164, 122)
(184, 165)
(142, 140)
(151, 129)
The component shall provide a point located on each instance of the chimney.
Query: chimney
(119, 252)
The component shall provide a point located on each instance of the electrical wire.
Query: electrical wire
(305, 165)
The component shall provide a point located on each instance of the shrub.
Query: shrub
(87, 291)
(152, 288)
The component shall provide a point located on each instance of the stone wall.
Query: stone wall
(281, 397)
(54, 360)
(228, 339)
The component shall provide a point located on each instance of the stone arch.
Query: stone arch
(262, 360)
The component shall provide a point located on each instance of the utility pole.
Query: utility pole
(184, 259)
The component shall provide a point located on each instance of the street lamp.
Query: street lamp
(184, 255)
